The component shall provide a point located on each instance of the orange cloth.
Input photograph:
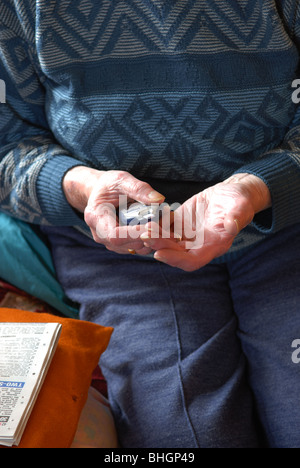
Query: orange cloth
(54, 419)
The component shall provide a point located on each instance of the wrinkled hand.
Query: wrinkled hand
(97, 195)
(209, 222)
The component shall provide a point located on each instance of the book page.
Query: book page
(26, 350)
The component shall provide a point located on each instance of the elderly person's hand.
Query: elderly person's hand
(209, 222)
(97, 195)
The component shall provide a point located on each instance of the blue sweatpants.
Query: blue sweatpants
(200, 359)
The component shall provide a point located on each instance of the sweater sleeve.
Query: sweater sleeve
(280, 170)
(32, 163)
(280, 167)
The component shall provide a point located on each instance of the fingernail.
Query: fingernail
(155, 196)
(237, 225)
(145, 236)
(177, 237)
(159, 258)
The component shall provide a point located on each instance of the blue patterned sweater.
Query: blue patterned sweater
(179, 90)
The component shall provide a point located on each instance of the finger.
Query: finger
(178, 259)
(126, 247)
(145, 251)
(158, 238)
(139, 190)
(108, 230)
(189, 261)
(159, 230)
(130, 249)
(102, 220)
(232, 225)
(161, 243)
(123, 245)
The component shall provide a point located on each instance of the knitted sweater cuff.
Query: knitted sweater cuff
(53, 202)
(281, 174)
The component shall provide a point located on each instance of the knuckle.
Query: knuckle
(138, 186)
(112, 180)
(88, 216)
(118, 177)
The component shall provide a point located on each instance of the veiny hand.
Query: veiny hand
(97, 194)
(219, 213)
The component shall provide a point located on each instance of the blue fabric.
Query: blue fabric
(177, 90)
(170, 73)
(25, 262)
(194, 357)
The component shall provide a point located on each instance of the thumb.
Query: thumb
(140, 191)
(238, 218)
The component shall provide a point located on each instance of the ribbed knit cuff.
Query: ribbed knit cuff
(53, 202)
(281, 174)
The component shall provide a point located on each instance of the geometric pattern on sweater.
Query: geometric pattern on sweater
(77, 29)
(81, 28)
(173, 136)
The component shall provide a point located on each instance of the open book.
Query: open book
(26, 351)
